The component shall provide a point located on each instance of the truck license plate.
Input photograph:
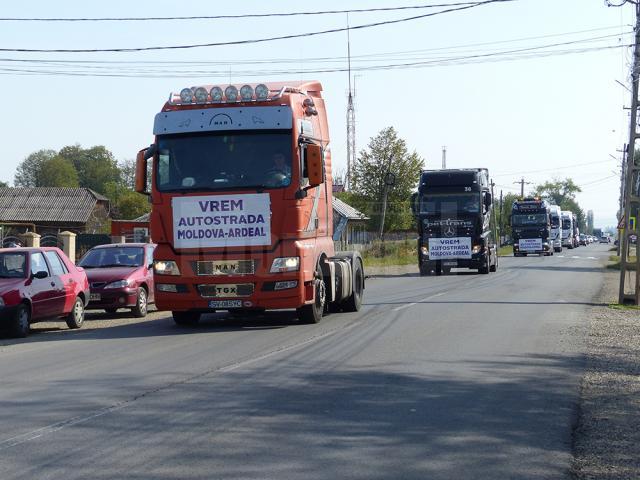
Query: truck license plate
(94, 297)
(225, 303)
(450, 264)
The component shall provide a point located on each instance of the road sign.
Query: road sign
(621, 224)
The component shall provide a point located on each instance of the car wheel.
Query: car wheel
(140, 310)
(21, 321)
(354, 302)
(186, 318)
(313, 312)
(75, 319)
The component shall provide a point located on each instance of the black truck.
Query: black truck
(531, 227)
(454, 215)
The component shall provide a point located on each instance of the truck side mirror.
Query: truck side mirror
(414, 204)
(315, 167)
(141, 168)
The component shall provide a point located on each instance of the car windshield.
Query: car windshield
(12, 265)
(113, 257)
(438, 204)
(520, 220)
(220, 161)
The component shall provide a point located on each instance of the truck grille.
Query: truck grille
(219, 290)
(224, 267)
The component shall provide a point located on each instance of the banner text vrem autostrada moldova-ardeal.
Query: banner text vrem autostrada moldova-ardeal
(241, 192)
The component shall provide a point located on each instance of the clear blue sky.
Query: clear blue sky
(537, 114)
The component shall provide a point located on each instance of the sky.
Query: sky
(527, 88)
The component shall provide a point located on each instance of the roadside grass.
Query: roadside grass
(617, 306)
(505, 251)
(615, 262)
(400, 252)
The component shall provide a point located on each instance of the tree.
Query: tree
(128, 173)
(96, 166)
(385, 153)
(504, 213)
(132, 205)
(58, 172)
(4, 184)
(563, 193)
(28, 171)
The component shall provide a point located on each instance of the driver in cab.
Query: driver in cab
(279, 173)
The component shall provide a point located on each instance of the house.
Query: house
(136, 230)
(349, 225)
(50, 210)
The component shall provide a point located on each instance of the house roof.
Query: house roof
(345, 210)
(48, 204)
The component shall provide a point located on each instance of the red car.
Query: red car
(120, 276)
(39, 284)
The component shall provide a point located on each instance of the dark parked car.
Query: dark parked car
(120, 276)
(39, 284)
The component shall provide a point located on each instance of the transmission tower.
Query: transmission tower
(351, 120)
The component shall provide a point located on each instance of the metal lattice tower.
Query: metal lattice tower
(351, 119)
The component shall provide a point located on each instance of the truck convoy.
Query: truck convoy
(453, 210)
(531, 227)
(567, 229)
(555, 214)
(241, 193)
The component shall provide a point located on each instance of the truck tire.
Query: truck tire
(424, 271)
(186, 318)
(354, 302)
(484, 269)
(313, 312)
(75, 319)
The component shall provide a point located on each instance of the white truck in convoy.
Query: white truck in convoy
(556, 228)
(567, 229)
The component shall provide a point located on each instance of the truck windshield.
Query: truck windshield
(223, 161)
(461, 203)
(566, 224)
(520, 220)
(555, 221)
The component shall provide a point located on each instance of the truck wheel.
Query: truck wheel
(21, 321)
(438, 270)
(424, 271)
(186, 318)
(354, 302)
(75, 319)
(140, 310)
(313, 312)
(484, 269)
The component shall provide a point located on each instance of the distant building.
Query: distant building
(349, 225)
(49, 210)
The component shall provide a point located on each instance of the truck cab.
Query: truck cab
(240, 184)
(555, 216)
(454, 214)
(567, 229)
(531, 227)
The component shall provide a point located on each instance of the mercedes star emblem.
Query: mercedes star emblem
(449, 231)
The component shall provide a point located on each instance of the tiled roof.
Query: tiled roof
(47, 204)
(347, 211)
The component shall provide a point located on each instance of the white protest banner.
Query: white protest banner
(449, 248)
(530, 244)
(221, 220)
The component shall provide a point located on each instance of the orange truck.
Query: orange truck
(239, 179)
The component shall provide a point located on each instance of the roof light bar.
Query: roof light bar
(186, 95)
(231, 93)
(246, 93)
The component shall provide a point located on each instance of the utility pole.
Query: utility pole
(501, 231)
(522, 184)
(444, 157)
(631, 198)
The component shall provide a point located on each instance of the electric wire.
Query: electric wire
(255, 40)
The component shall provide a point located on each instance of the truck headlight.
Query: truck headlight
(166, 267)
(118, 284)
(285, 264)
(476, 249)
(424, 250)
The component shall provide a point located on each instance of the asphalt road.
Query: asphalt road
(463, 376)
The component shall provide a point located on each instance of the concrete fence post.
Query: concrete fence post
(118, 239)
(69, 244)
(31, 239)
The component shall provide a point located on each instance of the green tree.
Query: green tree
(58, 172)
(128, 173)
(96, 166)
(563, 193)
(385, 153)
(132, 205)
(4, 184)
(504, 213)
(28, 171)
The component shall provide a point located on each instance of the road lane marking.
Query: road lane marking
(401, 307)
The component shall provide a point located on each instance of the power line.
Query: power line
(250, 41)
(599, 162)
(227, 17)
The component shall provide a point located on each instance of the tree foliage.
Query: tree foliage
(58, 172)
(96, 166)
(385, 153)
(28, 171)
